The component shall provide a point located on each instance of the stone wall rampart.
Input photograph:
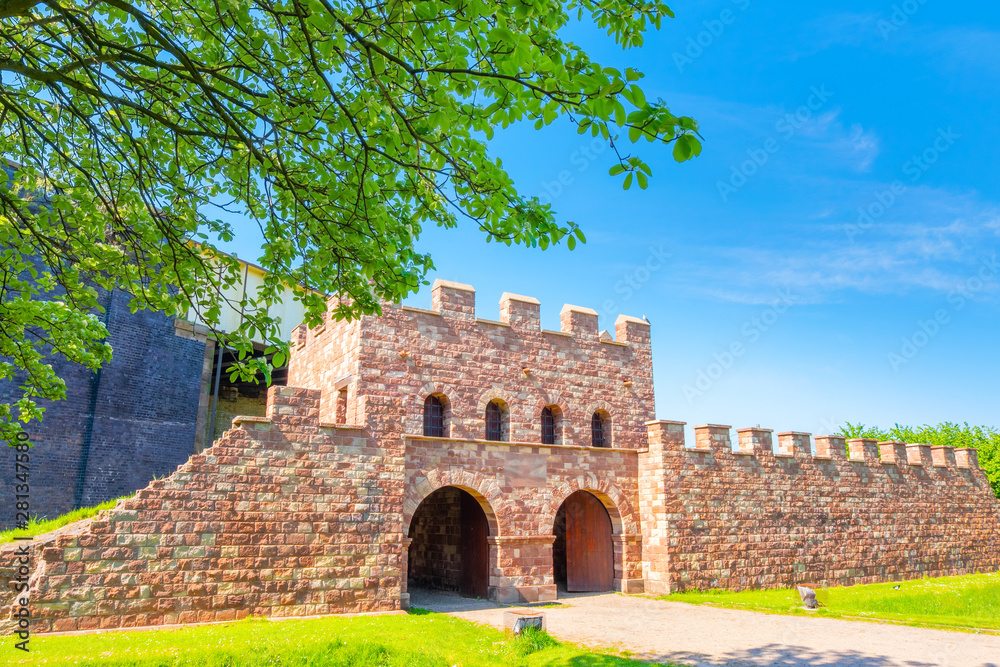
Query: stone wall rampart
(856, 511)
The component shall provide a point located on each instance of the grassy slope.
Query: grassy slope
(419, 640)
(39, 526)
(970, 601)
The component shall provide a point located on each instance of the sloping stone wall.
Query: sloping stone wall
(282, 517)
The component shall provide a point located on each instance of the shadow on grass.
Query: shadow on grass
(792, 656)
(419, 611)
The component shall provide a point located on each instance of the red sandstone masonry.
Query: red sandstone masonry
(756, 519)
(292, 515)
(408, 353)
(279, 518)
(520, 487)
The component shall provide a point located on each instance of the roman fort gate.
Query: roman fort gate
(437, 449)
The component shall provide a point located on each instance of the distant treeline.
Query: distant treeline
(985, 439)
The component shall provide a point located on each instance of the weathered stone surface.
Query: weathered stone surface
(310, 511)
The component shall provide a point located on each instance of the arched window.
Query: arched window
(599, 430)
(548, 426)
(495, 417)
(434, 417)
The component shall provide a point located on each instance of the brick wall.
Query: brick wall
(140, 413)
(294, 515)
(757, 519)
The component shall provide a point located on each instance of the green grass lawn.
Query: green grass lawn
(420, 639)
(965, 602)
(37, 526)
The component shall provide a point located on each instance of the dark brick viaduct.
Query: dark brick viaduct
(138, 418)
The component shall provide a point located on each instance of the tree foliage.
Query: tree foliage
(984, 439)
(341, 128)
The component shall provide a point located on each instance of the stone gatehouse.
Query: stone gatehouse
(495, 458)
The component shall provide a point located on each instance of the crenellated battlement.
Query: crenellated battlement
(408, 354)
(759, 442)
(458, 301)
(778, 509)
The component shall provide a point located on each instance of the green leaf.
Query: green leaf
(628, 181)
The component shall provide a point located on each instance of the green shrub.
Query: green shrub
(985, 440)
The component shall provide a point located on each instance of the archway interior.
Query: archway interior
(449, 550)
(583, 551)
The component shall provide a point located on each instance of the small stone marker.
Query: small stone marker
(808, 596)
(516, 621)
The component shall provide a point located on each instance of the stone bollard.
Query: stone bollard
(516, 621)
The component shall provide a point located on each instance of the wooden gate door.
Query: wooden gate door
(474, 550)
(589, 550)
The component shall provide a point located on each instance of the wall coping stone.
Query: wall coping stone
(633, 320)
(570, 308)
(453, 285)
(508, 296)
(422, 311)
(480, 320)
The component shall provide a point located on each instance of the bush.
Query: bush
(985, 440)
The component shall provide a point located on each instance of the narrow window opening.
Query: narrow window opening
(548, 427)
(495, 414)
(434, 417)
(598, 430)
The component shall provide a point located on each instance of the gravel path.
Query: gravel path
(662, 631)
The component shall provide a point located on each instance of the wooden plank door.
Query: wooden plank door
(474, 550)
(589, 550)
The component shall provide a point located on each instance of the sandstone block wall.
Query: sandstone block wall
(520, 488)
(397, 360)
(756, 519)
(282, 517)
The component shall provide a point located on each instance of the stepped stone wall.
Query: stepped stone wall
(282, 517)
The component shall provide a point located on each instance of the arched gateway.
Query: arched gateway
(583, 551)
(448, 544)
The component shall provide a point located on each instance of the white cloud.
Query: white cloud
(936, 241)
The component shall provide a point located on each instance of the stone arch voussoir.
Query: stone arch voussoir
(621, 511)
(484, 489)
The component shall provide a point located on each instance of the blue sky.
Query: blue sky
(839, 227)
